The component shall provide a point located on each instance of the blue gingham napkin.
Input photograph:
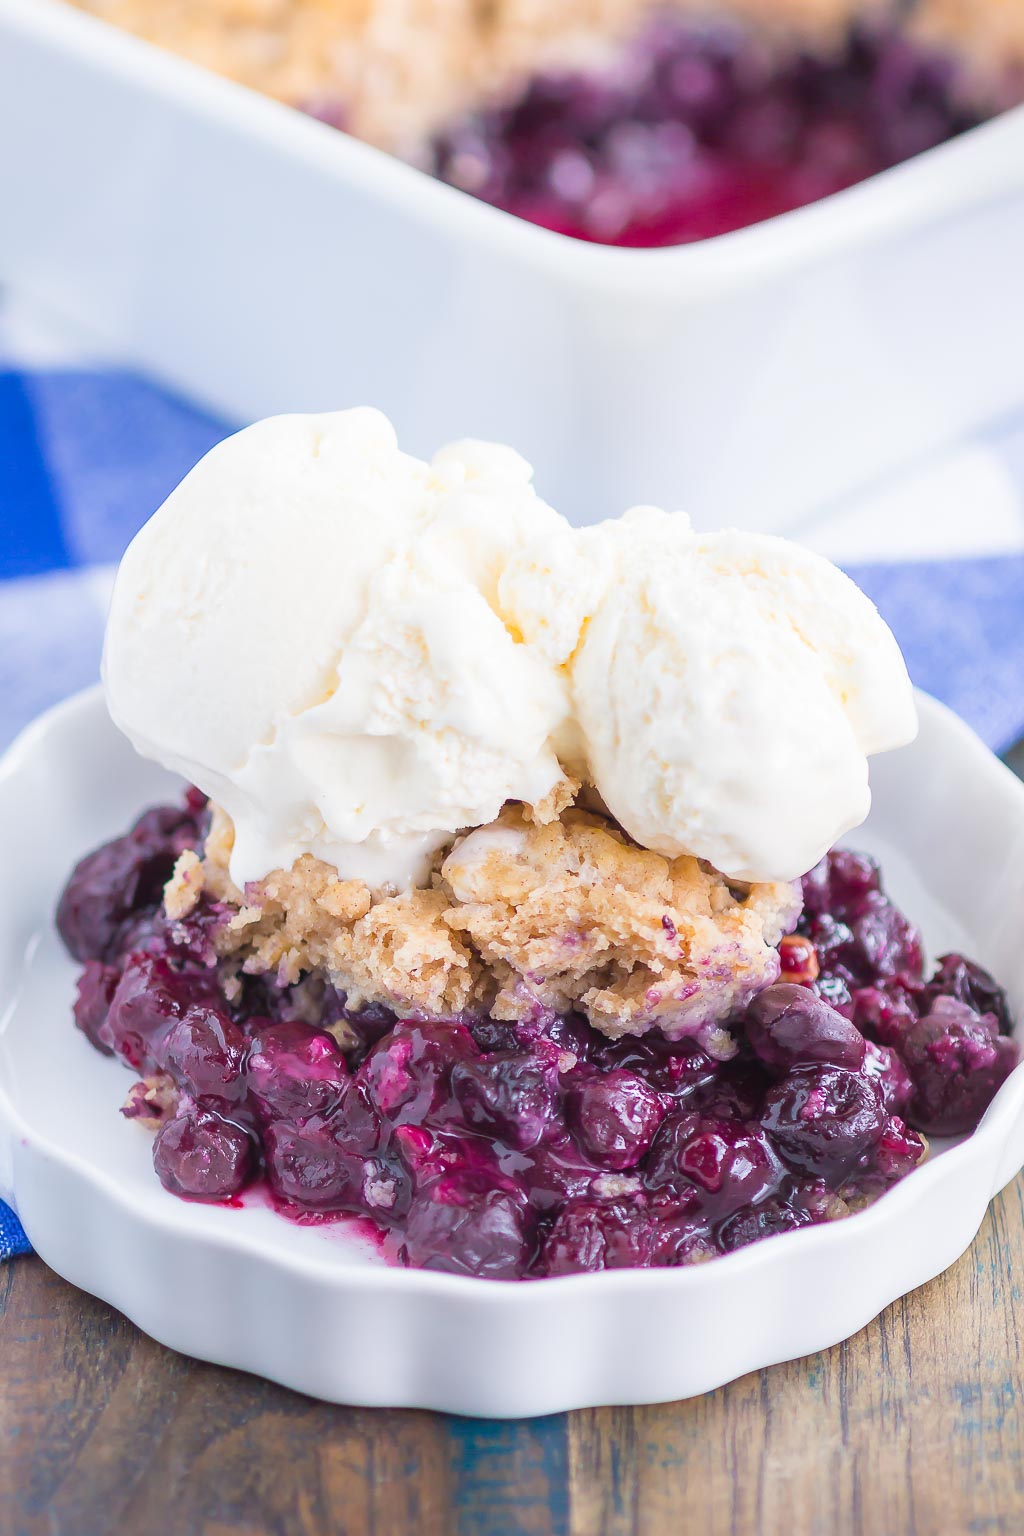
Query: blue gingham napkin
(88, 450)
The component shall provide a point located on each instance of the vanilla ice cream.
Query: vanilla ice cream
(310, 628)
(358, 654)
(730, 688)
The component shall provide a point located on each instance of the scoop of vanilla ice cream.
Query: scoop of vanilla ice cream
(729, 688)
(320, 631)
(358, 654)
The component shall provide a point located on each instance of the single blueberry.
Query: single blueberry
(294, 1071)
(592, 1235)
(957, 1060)
(202, 1156)
(204, 1053)
(614, 1116)
(789, 1026)
(509, 1094)
(969, 983)
(307, 1167)
(466, 1225)
(96, 987)
(720, 1165)
(111, 884)
(150, 999)
(823, 1119)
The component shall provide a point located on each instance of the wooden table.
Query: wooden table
(913, 1428)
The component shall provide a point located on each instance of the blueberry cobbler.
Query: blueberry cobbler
(627, 122)
(489, 922)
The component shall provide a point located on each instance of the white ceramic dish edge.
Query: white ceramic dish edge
(276, 1300)
(263, 262)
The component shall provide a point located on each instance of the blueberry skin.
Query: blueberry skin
(823, 1119)
(201, 1156)
(788, 1026)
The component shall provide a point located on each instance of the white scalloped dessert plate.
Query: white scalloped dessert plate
(316, 1308)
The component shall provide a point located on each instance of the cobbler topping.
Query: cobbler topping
(522, 919)
(532, 1144)
(391, 72)
(621, 121)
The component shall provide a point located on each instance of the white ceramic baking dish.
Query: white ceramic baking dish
(264, 262)
(314, 1307)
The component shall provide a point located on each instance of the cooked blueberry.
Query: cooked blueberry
(104, 890)
(885, 942)
(675, 1067)
(510, 1094)
(886, 1068)
(614, 1117)
(467, 1226)
(726, 1164)
(150, 998)
(823, 1119)
(356, 1124)
(840, 881)
(570, 1033)
(96, 987)
(306, 1166)
(788, 1026)
(494, 1034)
(969, 983)
(407, 1074)
(295, 1071)
(203, 1157)
(957, 1060)
(758, 1221)
(883, 1015)
(109, 885)
(591, 1235)
(204, 1053)
(557, 1171)
(168, 829)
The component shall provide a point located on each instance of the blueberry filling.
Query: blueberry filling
(699, 130)
(503, 1150)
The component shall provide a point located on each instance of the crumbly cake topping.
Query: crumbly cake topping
(989, 34)
(520, 918)
(397, 69)
(152, 1101)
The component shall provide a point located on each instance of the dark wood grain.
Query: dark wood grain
(913, 1428)
(102, 1431)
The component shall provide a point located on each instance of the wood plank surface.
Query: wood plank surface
(913, 1428)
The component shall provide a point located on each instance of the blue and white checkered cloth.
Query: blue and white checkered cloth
(12, 1239)
(88, 450)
